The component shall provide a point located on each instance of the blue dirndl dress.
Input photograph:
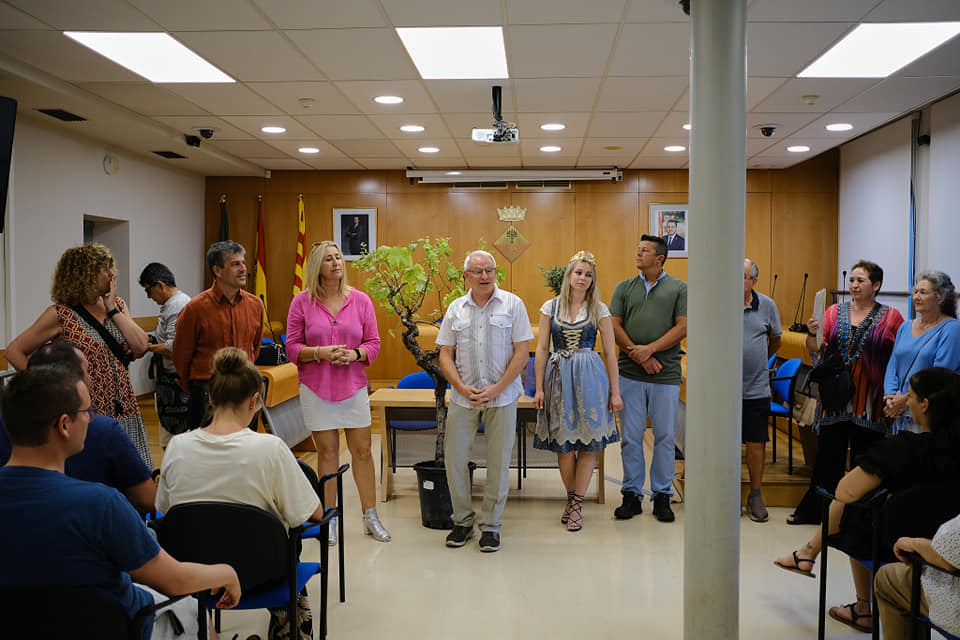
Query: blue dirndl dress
(575, 414)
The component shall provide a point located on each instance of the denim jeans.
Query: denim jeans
(661, 403)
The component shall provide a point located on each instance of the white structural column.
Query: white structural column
(711, 582)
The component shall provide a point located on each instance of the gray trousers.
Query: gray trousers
(500, 429)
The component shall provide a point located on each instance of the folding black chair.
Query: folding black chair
(922, 625)
(337, 512)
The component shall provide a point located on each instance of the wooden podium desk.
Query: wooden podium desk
(383, 400)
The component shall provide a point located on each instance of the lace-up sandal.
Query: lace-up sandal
(566, 509)
(853, 621)
(575, 519)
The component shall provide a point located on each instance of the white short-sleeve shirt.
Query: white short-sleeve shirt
(547, 309)
(484, 338)
(943, 590)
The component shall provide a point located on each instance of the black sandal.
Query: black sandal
(566, 510)
(575, 519)
(796, 566)
(854, 616)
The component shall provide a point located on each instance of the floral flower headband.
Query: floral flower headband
(584, 256)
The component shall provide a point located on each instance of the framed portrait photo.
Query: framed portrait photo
(356, 231)
(670, 222)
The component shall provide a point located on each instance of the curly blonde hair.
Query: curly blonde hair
(77, 272)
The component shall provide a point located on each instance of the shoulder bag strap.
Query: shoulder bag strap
(112, 343)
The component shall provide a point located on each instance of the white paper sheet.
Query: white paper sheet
(819, 306)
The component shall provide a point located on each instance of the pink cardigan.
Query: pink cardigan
(310, 324)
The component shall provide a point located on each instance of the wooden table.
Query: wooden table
(383, 400)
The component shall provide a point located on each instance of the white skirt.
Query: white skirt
(323, 415)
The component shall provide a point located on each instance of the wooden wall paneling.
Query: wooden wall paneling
(662, 181)
(759, 180)
(818, 174)
(608, 225)
(758, 230)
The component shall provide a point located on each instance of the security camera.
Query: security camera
(768, 130)
(192, 141)
(205, 133)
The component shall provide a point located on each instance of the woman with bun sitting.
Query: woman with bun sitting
(227, 462)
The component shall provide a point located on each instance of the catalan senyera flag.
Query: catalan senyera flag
(261, 273)
(301, 249)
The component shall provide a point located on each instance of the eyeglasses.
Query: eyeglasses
(480, 272)
(89, 411)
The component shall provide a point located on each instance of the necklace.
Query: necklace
(922, 325)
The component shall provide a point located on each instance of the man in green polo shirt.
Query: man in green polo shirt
(649, 314)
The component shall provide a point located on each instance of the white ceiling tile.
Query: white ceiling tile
(472, 149)
(362, 93)
(252, 124)
(759, 145)
(605, 160)
(556, 94)
(356, 54)
(787, 123)
(529, 124)
(342, 127)
(914, 11)
(568, 146)
(292, 149)
(672, 125)
(629, 125)
(564, 11)
(659, 162)
(369, 148)
(559, 50)
(326, 99)
(322, 14)
(655, 11)
(251, 55)
(759, 88)
(652, 50)
(145, 98)
(596, 146)
(88, 15)
(901, 94)
(209, 15)
(511, 162)
(13, 18)
(862, 122)
(471, 96)
(280, 164)
(55, 53)
(448, 148)
(453, 13)
(383, 163)
(640, 94)
(784, 49)
(248, 148)
(333, 164)
(389, 125)
(223, 129)
(809, 10)
(225, 99)
(832, 92)
(461, 124)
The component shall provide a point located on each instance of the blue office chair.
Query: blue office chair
(783, 384)
(418, 380)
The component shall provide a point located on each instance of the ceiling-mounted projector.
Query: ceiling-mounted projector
(501, 131)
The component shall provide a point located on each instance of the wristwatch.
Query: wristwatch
(359, 355)
(113, 312)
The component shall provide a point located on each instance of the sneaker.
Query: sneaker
(661, 507)
(631, 507)
(489, 541)
(756, 509)
(459, 536)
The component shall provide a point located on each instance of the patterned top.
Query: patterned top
(943, 590)
(866, 349)
(110, 386)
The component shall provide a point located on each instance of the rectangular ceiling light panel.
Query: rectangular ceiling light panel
(155, 56)
(878, 50)
(456, 53)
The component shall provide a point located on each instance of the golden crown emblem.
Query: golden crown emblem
(512, 213)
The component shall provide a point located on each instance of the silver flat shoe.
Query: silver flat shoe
(332, 537)
(372, 526)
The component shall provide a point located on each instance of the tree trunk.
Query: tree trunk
(427, 360)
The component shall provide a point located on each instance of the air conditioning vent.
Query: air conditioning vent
(171, 155)
(62, 114)
(479, 185)
(544, 184)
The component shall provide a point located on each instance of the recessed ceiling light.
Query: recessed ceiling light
(454, 173)
(877, 50)
(798, 148)
(308, 150)
(411, 128)
(428, 150)
(550, 148)
(839, 126)
(553, 126)
(456, 53)
(388, 99)
(273, 129)
(155, 56)
(687, 126)
(673, 148)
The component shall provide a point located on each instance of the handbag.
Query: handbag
(835, 381)
(271, 354)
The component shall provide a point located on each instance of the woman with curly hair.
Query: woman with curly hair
(88, 314)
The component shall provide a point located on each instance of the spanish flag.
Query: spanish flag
(301, 249)
(261, 273)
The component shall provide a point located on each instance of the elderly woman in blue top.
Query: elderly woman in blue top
(932, 339)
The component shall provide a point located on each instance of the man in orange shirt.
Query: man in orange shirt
(222, 316)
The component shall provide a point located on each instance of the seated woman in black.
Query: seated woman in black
(903, 462)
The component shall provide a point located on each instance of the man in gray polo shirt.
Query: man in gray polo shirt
(761, 339)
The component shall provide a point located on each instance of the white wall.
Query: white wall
(56, 180)
(943, 230)
(874, 212)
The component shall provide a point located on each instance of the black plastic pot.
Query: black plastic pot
(436, 511)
